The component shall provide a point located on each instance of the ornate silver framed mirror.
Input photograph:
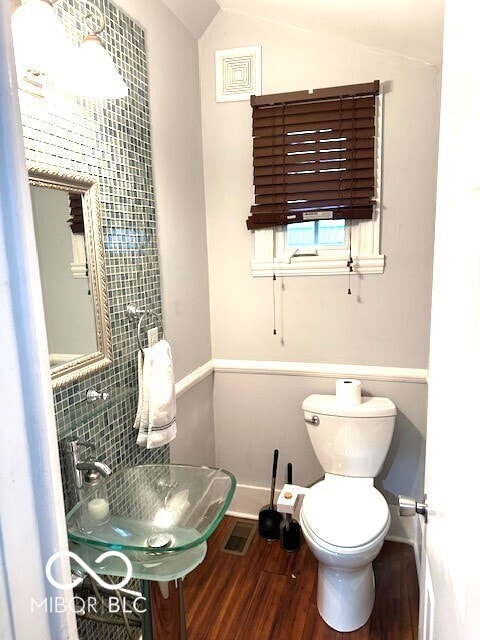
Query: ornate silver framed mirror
(69, 238)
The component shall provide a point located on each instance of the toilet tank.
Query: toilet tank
(351, 441)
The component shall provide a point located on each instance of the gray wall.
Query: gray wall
(180, 204)
(386, 320)
(195, 442)
(256, 413)
(389, 324)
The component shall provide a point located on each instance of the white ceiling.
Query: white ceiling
(411, 28)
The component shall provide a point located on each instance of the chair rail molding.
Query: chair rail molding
(305, 369)
(193, 378)
(322, 370)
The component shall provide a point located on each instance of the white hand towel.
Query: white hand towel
(141, 420)
(136, 424)
(156, 416)
(162, 426)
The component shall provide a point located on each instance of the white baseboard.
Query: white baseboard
(248, 500)
(401, 529)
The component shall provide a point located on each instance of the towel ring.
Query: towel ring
(135, 313)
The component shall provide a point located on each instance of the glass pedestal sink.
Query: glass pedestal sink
(156, 518)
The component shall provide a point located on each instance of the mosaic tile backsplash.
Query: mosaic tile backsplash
(109, 140)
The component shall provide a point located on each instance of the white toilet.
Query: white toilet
(344, 518)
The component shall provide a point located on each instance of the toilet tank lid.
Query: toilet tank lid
(369, 408)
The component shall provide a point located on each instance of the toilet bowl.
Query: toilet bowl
(344, 518)
(344, 522)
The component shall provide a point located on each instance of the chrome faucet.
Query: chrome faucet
(94, 465)
(86, 471)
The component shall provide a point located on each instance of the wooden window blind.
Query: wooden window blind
(76, 213)
(314, 155)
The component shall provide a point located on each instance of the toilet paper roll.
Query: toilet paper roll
(348, 393)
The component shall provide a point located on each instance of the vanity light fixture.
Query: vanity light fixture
(96, 74)
(44, 54)
(42, 47)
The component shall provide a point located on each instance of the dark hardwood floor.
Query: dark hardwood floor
(271, 595)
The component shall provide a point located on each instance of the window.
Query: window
(317, 167)
(320, 233)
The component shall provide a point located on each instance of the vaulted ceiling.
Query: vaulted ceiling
(410, 28)
(196, 15)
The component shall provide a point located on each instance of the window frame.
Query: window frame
(271, 255)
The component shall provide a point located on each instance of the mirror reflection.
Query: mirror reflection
(66, 289)
(71, 259)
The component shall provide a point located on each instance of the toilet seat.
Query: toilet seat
(346, 517)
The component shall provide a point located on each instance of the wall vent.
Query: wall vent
(238, 73)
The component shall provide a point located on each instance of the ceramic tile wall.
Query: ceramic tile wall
(109, 140)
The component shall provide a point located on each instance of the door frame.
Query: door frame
(32, 525)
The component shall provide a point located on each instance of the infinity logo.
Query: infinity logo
(89, 570)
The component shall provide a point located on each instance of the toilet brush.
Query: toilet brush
(290, 530)
(269, 518)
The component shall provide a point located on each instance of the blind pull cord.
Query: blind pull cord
(350, 260)
(274, 276)
(274, 279)
(89, 292)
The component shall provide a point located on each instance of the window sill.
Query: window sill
(321, 266)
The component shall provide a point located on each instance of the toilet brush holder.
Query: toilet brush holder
(290, 535)
(290, 532)
(269, 519)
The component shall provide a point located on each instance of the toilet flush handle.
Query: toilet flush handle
(409, 507)
(313, 420)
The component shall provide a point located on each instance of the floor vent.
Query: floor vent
(239, 537)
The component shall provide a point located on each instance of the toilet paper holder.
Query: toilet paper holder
(287, 500)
